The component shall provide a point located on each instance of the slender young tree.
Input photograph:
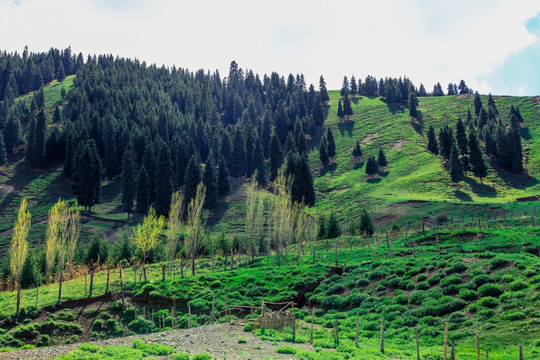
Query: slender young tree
(174, 225)
(145, 236)
(251, 208)
(195, 224)
(129, 181)
(19, 247)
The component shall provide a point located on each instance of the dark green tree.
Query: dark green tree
(30, 139)
(163, 181)
(478, 166)
(111, 153)
(461, 137)
(318, 114)
(354, 86)
(333, 229)
(366, 224)
(357, 150)
(276, 157)
(57, 117)
(456, 168)
(38, 153)
(192, 179)
(446, 141)
(149, 161)
(340, 112)
(258, 163)
(347, 109)
(344, 87)
(142, 191)
(302, 190)
(3, 152)
(87, 175)
(129, 180)
(224, 185)
(413, 104)
(323, 91)
(372, 167)
(477, 104)
(239, 161)
(181, 163)
(432, 145)
(323, 152)
(210, 183)
(491, 145)
(331, 143)
(381, 159)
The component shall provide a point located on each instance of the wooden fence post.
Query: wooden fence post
(487, 354)
(37, 295)
(417, 344)
(189, 318)
(263, 315)
(312, 321)
(520, 352)
(91, 282)
(336, 333)
(478, 346)
(389, 245)
(438, 244)
(213, 316)
(85, 287)
(382, 335)
(122, 286)
(445, 339)
(357, 326)
(172, 318)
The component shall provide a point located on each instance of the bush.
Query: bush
(488, 302)
(456, 267)
(361, 282)
(66, 315)
(202, 356)
(129, 313)
(422, 285)
(417, 297)
(482, 279)
(248, 327)
(286, 349)
(421, 277)
(97, 325)
(451, 289)
(451, 280)
(149, 287)
(497, 263)
(93, 348)
(242, 340)
(43, 340)
(486, 313)
(514, 315)
(517, 285)
(457, 317)
(490, 290)
(467, 294)
(141, 325)
(401, 299)
(434, 280)
(117, 305)
(180, 356)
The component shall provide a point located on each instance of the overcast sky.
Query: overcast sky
(494, 45)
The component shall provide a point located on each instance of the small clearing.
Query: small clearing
(397, 146)
(369, 138)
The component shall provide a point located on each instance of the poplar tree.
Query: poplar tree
(432, 145)
(129, 181)
(174, 225)
(19, 247)
(145, 236)
(195, 224)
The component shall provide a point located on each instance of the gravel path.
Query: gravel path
(220, 340)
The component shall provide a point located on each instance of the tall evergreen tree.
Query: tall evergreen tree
(461, 137)
(478, 166)
(149, 161)
(323, 91)
(366, 224)
(323, 152)
(491, 145)
(432, 145)
(142, 191)
(276, 157)
(239, 161)
(517, 149)
(381, 159)
(456, 168)
(413, 104)
(87, 175)
(181, 163)
(266, 136)
(129, 184)
(302, 190)
(209, 181)
(258, 163)
(38, 153)
(333, 229)
(57, 117)
(224, 185)
(354, 86)
(340, 112)
(347, 109)
(345, 87)
(477, 104)
(111, 153)
(3, 152)
(446, 141)
(30, 139)
(331, 143)
(372, 167)
(318, 115)
(357, 150)
(483, 119)
(163, 181)
(192, 179)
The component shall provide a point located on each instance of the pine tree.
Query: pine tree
(491, 145)
(347, 109)
(477, 104)
(323, 152)
(366, 224)
(456, 168)
(239, 161)
(57, 117)
(38, 153)
(163, 181)
(331, 143)
(461, 137)
(302, 190)
(517, 149)
(192, 179)
(478, 166)
(323, 91)
(276, 157)
(446, 141)
(12, 133)
(209, 182)
(413, 104)
(181, 163)
(372, 167)
(505, 149)
(87, 175)
(60, 73)
(129, 184)
(258, 163)
(266, 136)
(344, 87)
(224, 185)
(483, 119)
(354, 86)
(30, 138)
(333, 230)
(381, 159)
(432, 145)
(111, 153)
(142, 191)
(318, 115)
(149, 161)
(357, 150)
(340, 112)
(3, 152)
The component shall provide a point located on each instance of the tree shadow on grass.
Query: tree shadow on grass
(482, 190)
(374, 181)
(329, 169)
(346, 126)
(525, 133)
(358, 165)
(356, 100)
(395, 108)
(516, 181)
(384, 173)
(462, 196)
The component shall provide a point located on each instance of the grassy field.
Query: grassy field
(484, 281)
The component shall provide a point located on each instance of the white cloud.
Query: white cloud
(428, 41)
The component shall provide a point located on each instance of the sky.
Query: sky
(494, 45)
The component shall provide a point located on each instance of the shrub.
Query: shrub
(401, 299)
(451, 289)
(417, 297)
(149, 287)
(488, 302)
(517, 285)
(421, 277)
(361, 282)
(422, 285)
(66, 315)
(457, 317)
(456, 267)
(335, 289)
(451, 280)
(242, 340)
(141, 325)
(93, 348)
(117, 305)
(514, 315)
(486, 313)
(481, 279)
(497, 263)
(43, 340)
(202, 356)
(129, 313)
(286, 349)
(467, 294)
(180, 356)
(490, 290)
(434, 280)
(97, 325)
(248, 327)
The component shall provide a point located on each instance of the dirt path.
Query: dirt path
(220, 340)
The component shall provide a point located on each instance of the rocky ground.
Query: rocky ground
(221, 341)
